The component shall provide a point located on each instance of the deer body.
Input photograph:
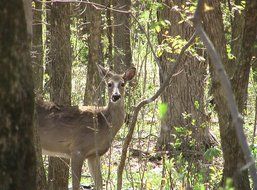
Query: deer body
(67, 129)
(81, 133)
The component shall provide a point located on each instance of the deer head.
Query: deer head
(116, 82)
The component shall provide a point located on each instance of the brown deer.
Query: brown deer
(81, 133)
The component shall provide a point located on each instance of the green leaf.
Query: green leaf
(197, 105)
(159, 51)
(193, 122)
(163, 108)
(211, 153)
(157, 28)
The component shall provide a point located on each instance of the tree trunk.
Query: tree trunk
(243, 62)
(237, 24)
(41, 183)
(37, 67)
(60, 74)
(37, 47)
(109, 35)
(185, 95)
(17, 153)
(254, 71)
(94, 87)
(232, 152)
(121, 32)
(47, 57)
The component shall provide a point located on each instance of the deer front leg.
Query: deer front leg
(76, 169)
(94, 165)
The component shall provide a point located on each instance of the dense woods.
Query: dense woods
(180, 128)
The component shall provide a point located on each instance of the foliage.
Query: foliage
(163, 108)
(211, 153)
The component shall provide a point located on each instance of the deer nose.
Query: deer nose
(116, 97)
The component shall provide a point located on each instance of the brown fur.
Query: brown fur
(86, 132)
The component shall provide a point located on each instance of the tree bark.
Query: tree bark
(37, 47)
(237, 24)
(121, 32)
(37, 67)
(185, 95)
(94, 91)
(47, 57)
(60, 76)
(41, 183)
(254, 72)
(232, 152)
(17, 153)
(109, 34)
(243, 62)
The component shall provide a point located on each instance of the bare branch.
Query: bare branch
(148, 40)
(95, 5)
(141, 104)
(101, 7)
(226, 86)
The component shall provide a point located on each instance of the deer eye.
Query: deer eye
(109, 84)
(122, 84)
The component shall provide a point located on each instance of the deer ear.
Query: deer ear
(103, 72)
(129, 74)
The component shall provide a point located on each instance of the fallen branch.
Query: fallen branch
(141, 104)
(226, 86)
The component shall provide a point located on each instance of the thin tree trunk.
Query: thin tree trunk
(121, 32)
(17, 153)
(236, 35)
(232, 152)
(243, 62)
(60, 92)
(37, 66)
(41, 183)
(109, 34)
(254, 71)
(94, 87)
(47, 57)
(37, 47)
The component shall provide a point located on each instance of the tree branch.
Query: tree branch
(96, 5)
(141, 104)
(101, 7)
(227, 89)
(148, 41)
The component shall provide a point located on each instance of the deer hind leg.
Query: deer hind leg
(94, 165)
(76, 169)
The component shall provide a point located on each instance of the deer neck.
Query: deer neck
(115, 114)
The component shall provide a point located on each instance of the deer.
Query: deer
(84, 132)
